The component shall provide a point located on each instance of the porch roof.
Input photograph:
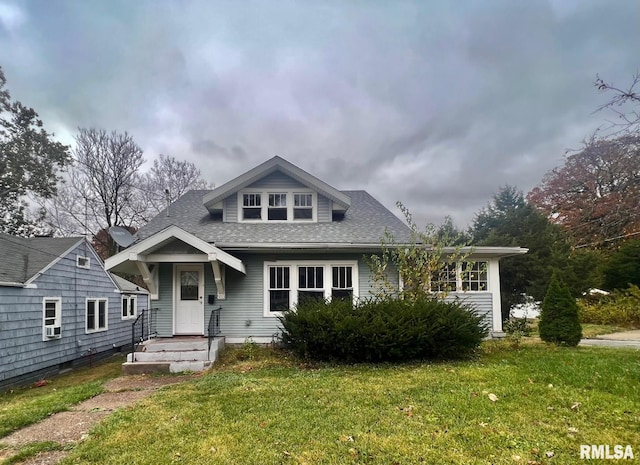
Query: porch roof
(142, 251)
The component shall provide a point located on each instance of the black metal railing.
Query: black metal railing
(214, 327)
(142, 329)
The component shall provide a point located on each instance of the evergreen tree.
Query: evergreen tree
(510, 221)
(559, 321)
(623, 267)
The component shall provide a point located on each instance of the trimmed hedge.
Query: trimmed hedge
(379, 330)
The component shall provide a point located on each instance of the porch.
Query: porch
(152, 354)
(173, 355)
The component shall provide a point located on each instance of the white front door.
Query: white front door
(189, 299)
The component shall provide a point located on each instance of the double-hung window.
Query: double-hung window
(129, 304)
(342, 282)
(279, 288)
(302, 206)
(289, 283)
(52, 317)
(97, 315)
(252, 206)
(277, 207)
(310, 283)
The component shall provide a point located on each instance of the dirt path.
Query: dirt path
(74, 425)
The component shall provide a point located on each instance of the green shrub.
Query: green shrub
(559, 322)
(384, 329)
(620, 308)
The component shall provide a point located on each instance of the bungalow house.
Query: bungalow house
(59, 307)
(259, 243)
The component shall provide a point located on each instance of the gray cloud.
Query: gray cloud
(436, 104)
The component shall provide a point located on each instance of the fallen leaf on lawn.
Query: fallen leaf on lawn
(493, 397)
(263, 424)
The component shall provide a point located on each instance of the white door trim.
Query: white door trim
(177, 267)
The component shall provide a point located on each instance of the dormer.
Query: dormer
(276, 192)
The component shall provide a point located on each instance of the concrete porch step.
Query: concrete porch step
(139, 368)
(166, 345)
(166, 356)
(173, 355)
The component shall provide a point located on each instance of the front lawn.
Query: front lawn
(23, 406)
(537, 404)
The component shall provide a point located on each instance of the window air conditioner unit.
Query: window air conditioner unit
(52, 331)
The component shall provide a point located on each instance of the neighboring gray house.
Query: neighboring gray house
(260, 242)
(59, 307)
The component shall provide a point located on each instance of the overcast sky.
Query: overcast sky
(433, 103)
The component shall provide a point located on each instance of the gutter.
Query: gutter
(262, 246)
(12, 284)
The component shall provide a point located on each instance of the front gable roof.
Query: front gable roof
(25, 258)
(140, 250)
(341, 201)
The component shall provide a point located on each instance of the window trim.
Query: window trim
(97, 329)
(290, 201)
(129, 298)
(87, 266)
(293, 265)
(57, 319)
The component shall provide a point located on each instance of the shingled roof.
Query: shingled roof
(363, 224)
(23, 258)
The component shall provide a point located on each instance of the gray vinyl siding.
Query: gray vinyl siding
(482, 302)
(324, 209)
(230, 209)
(276, 180)
(21, 318)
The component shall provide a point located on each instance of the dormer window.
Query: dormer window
(302, 206)
(251, 207)
(278, 206)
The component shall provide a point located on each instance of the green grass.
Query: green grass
(590, 330)
(264, 409)
(33, 449)
(24, 406)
